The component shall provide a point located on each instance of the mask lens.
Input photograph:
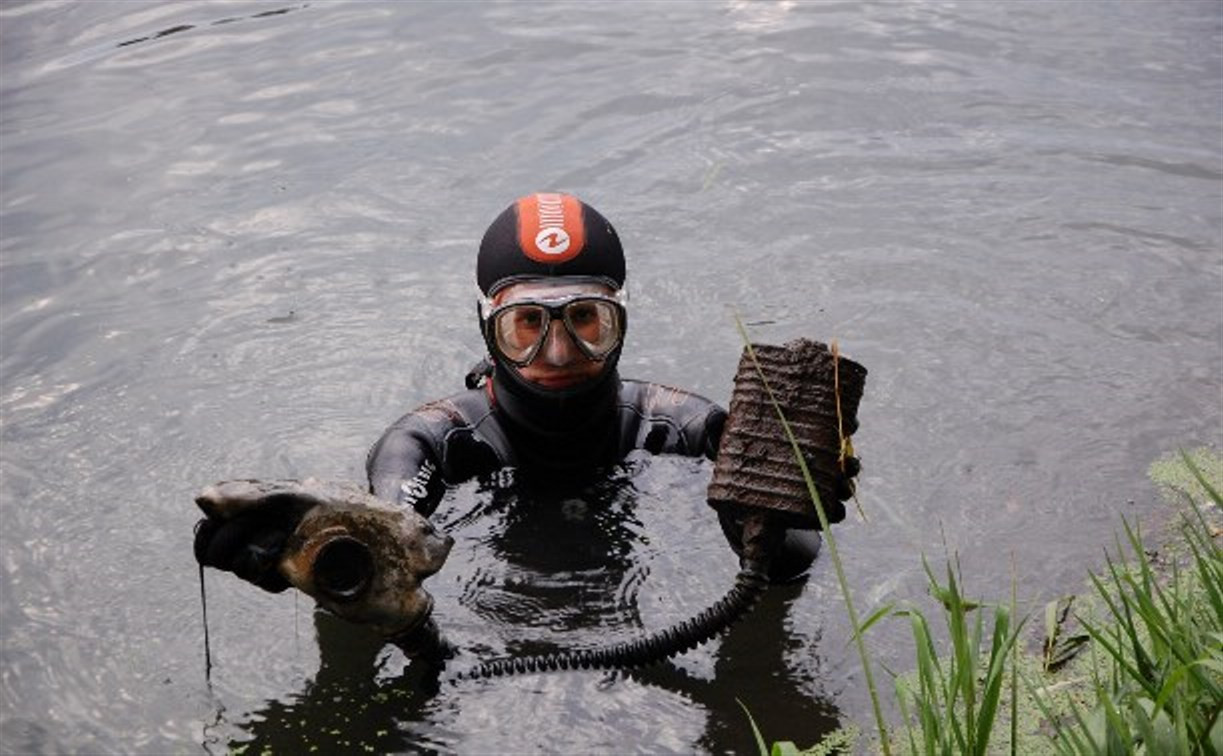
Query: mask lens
(519, 329)
(595, 323)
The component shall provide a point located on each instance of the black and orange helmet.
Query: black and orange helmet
(545, 236)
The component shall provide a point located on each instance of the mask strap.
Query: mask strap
(478, 373)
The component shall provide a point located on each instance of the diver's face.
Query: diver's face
(559, 363)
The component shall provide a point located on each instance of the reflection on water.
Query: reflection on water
(354, 703)
(236, 240)
(346, 707)
(561, 578)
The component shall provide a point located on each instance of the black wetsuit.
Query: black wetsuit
(465, 436)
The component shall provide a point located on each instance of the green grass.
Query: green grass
(841, 740)
(1148, 674)
(954, 700)
(1156, 671)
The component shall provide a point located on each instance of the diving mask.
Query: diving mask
(592, 314)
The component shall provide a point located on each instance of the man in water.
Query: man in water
(547, 402)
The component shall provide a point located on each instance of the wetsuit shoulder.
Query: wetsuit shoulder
(663, 419)
(441, 443)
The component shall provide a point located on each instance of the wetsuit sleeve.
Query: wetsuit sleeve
(665, 420)
(404, 466)
(435, 446)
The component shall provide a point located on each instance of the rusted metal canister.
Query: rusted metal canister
(756, 467)
(328, 561)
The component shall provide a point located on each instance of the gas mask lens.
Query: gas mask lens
(596, 325)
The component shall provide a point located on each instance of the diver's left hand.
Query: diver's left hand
(250, 547)
(246, 527)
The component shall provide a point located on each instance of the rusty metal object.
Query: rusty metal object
(358, 556)
(756, 468)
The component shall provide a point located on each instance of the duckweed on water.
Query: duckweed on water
(1176, 479)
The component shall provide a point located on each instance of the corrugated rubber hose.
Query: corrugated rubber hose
(750, 583)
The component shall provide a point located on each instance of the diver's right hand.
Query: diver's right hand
(248, 545)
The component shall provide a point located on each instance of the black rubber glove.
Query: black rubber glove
(794, 554)
(249, 546)
(799, 547)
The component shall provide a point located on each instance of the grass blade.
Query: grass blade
(764, 749)
(839, 568)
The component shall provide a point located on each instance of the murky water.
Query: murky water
(239, 242)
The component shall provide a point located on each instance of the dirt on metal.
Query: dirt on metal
(818, 391)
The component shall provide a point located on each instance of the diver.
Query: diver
(546, 405)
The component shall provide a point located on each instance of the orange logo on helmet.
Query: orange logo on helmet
(550, 228)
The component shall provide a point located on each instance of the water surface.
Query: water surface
(237, 239)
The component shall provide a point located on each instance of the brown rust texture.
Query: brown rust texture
(404, 546)
(756, 467)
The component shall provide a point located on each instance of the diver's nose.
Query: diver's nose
(558, 349)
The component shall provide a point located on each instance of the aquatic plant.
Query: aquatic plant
(955, 698)
(840, 740)
(1157, 664)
